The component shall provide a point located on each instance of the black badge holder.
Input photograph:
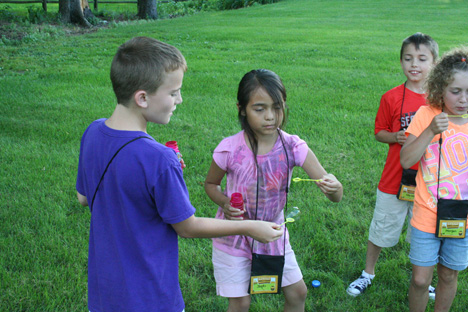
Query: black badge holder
(407, 185)
(267, 270)
(408, 177)
(451, 213)
(105, 170)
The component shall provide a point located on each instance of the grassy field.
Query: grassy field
(336, 59)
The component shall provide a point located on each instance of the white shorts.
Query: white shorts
(232, 274)
(389, 217)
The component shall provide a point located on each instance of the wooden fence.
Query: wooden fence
(44, 2)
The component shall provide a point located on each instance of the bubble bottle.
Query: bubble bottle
(173, 145)
(237, 201)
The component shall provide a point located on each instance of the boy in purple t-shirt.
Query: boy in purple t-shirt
(132, 183)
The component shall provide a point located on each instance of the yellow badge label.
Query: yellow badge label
(406, 192)
(452, 228)
(264, 284)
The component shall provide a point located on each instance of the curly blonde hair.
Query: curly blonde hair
(442, 74)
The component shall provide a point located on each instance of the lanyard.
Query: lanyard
(287, 186)
(438, 171)
(402, 102)
(105, 170)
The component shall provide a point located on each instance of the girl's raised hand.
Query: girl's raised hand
(231, 213)
(439, 123)
(331, 187)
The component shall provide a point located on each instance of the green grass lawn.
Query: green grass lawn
(336, 59)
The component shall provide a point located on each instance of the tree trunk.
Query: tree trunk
(73, 11)
(64, 10)
(147, 9)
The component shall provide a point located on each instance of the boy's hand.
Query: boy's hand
(439, 123)
(329, 184)
(231, 213)
(265, 232)
(400, 137)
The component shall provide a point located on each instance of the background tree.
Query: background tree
(75, 11)
(78, 11)
(147, 9)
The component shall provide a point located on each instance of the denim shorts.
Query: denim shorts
(428, 250)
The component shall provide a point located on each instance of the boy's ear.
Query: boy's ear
(140, 98)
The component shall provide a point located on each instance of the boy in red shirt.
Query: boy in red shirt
(397, 107)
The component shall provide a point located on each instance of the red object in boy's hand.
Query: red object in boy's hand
(173, 145)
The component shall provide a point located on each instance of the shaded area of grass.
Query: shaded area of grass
(29, 22)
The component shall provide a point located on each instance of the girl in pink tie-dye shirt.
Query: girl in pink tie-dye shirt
(264, 155)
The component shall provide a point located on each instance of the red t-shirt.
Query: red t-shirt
(391, 117)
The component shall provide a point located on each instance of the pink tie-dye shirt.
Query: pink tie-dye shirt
(233, 156)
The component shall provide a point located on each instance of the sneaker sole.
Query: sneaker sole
(352, 294)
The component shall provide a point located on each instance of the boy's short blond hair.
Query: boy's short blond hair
(442, 74)
(141, 64)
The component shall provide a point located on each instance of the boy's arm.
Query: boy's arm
(388, 137)
(213, 190)
(330, 186)
(415, 147)
(384, 122)
(82, 199)
(194, 227)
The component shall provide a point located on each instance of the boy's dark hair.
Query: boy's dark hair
(251, 82)
(442, 74)
(418, 39)
(141, 64)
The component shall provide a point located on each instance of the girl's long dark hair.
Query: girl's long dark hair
(252, 81)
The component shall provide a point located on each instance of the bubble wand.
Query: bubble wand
(292, 216)
(288, 220)
(306, 180)
(460, 116)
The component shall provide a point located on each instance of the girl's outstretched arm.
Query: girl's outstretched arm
(213, 190)
(330, 186)
(415, 147)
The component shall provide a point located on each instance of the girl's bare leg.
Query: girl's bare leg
(418, 290)
(295, 297)
(446, 288)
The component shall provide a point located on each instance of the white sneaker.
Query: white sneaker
(431, 292)
(360, 285)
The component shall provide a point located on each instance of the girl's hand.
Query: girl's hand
(330, 186)
(231, 213)
(439, 123)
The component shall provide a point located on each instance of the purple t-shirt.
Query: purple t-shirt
(234, 156)
(133, 249)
